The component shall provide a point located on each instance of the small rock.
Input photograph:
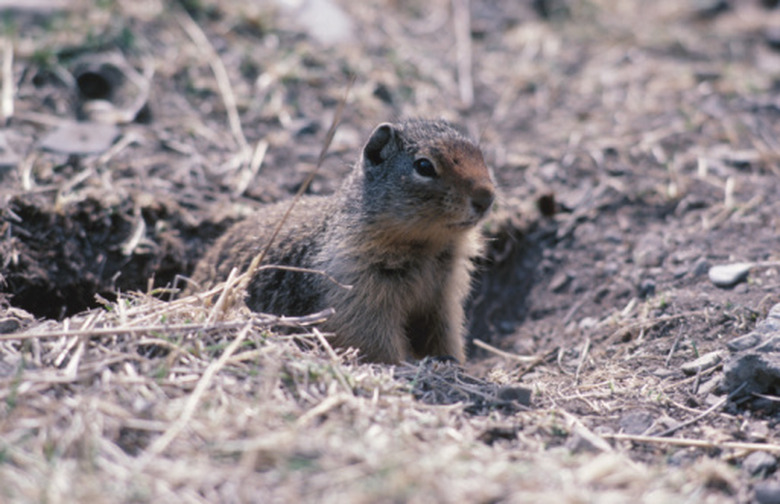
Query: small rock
(767, 492)
(520, 395)
(772, 35)
(708, 9)
(708, 387)
(703, 363)
(729, 275)
(760, 371)
(759, 463)
(80, 138)
(758, 432)
(701, 267)
(493, 434)
(650, 251)
(560, 281)
(646, 288)
(683, 458)
(712, 400)
(745, 342)
(636, 422)
(584, 441)
(9, 325)
(324, 20)
(14, 319)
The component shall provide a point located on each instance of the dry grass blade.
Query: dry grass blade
(220, 73)
(258, 259)
(462, 21)
(7, 92)
(162, 442)
(519, 358)
(692, 421)
(697, 443)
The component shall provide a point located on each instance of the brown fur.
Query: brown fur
(402, 240)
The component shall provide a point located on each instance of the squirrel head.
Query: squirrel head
(423, 176)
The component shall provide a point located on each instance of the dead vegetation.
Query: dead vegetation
(635, 145)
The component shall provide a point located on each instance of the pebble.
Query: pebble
(759, 463)
(636, 422)
(80, 138)
(560, 281)
(729, 275)
(772, 35)
(701, 267)
(703, 363)
(767, 492)
(755, 358)
(650, 251)
(646, 288)
(520, 395)
(745, 342)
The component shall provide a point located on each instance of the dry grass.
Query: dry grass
(144, 400)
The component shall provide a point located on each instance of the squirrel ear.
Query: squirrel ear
(381, 145)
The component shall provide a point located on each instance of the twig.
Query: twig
(246, 175)
(698, 443)
(258, 259)
(462, 22)
(7, 100)
(646, 324)
(703, 414)
(674, 347)
(161, 443)
(326, 405)
(525, 359)
(268, 321)
(334, 360)
(693, 420)
(222, 301)
(584, 355)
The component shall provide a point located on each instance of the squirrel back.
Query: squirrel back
(401, 232)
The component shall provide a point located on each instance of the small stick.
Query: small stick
(462, 22)
(250, 272)
(335, 360)
(584, 355)
(698, 443)
(7, 101)
(246, 176)
(270, 320)
(703, 414)
(693, 420)
(525, 359)
(221, 305)
(326, 405)
(674, 347)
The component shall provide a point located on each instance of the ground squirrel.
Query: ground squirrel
(401, 231)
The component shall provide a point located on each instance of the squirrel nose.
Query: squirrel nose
(481, 200)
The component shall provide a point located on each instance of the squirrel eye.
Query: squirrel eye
(425, 168)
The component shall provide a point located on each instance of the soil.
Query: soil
(635, 145)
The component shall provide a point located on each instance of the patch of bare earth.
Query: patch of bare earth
(635, 144)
